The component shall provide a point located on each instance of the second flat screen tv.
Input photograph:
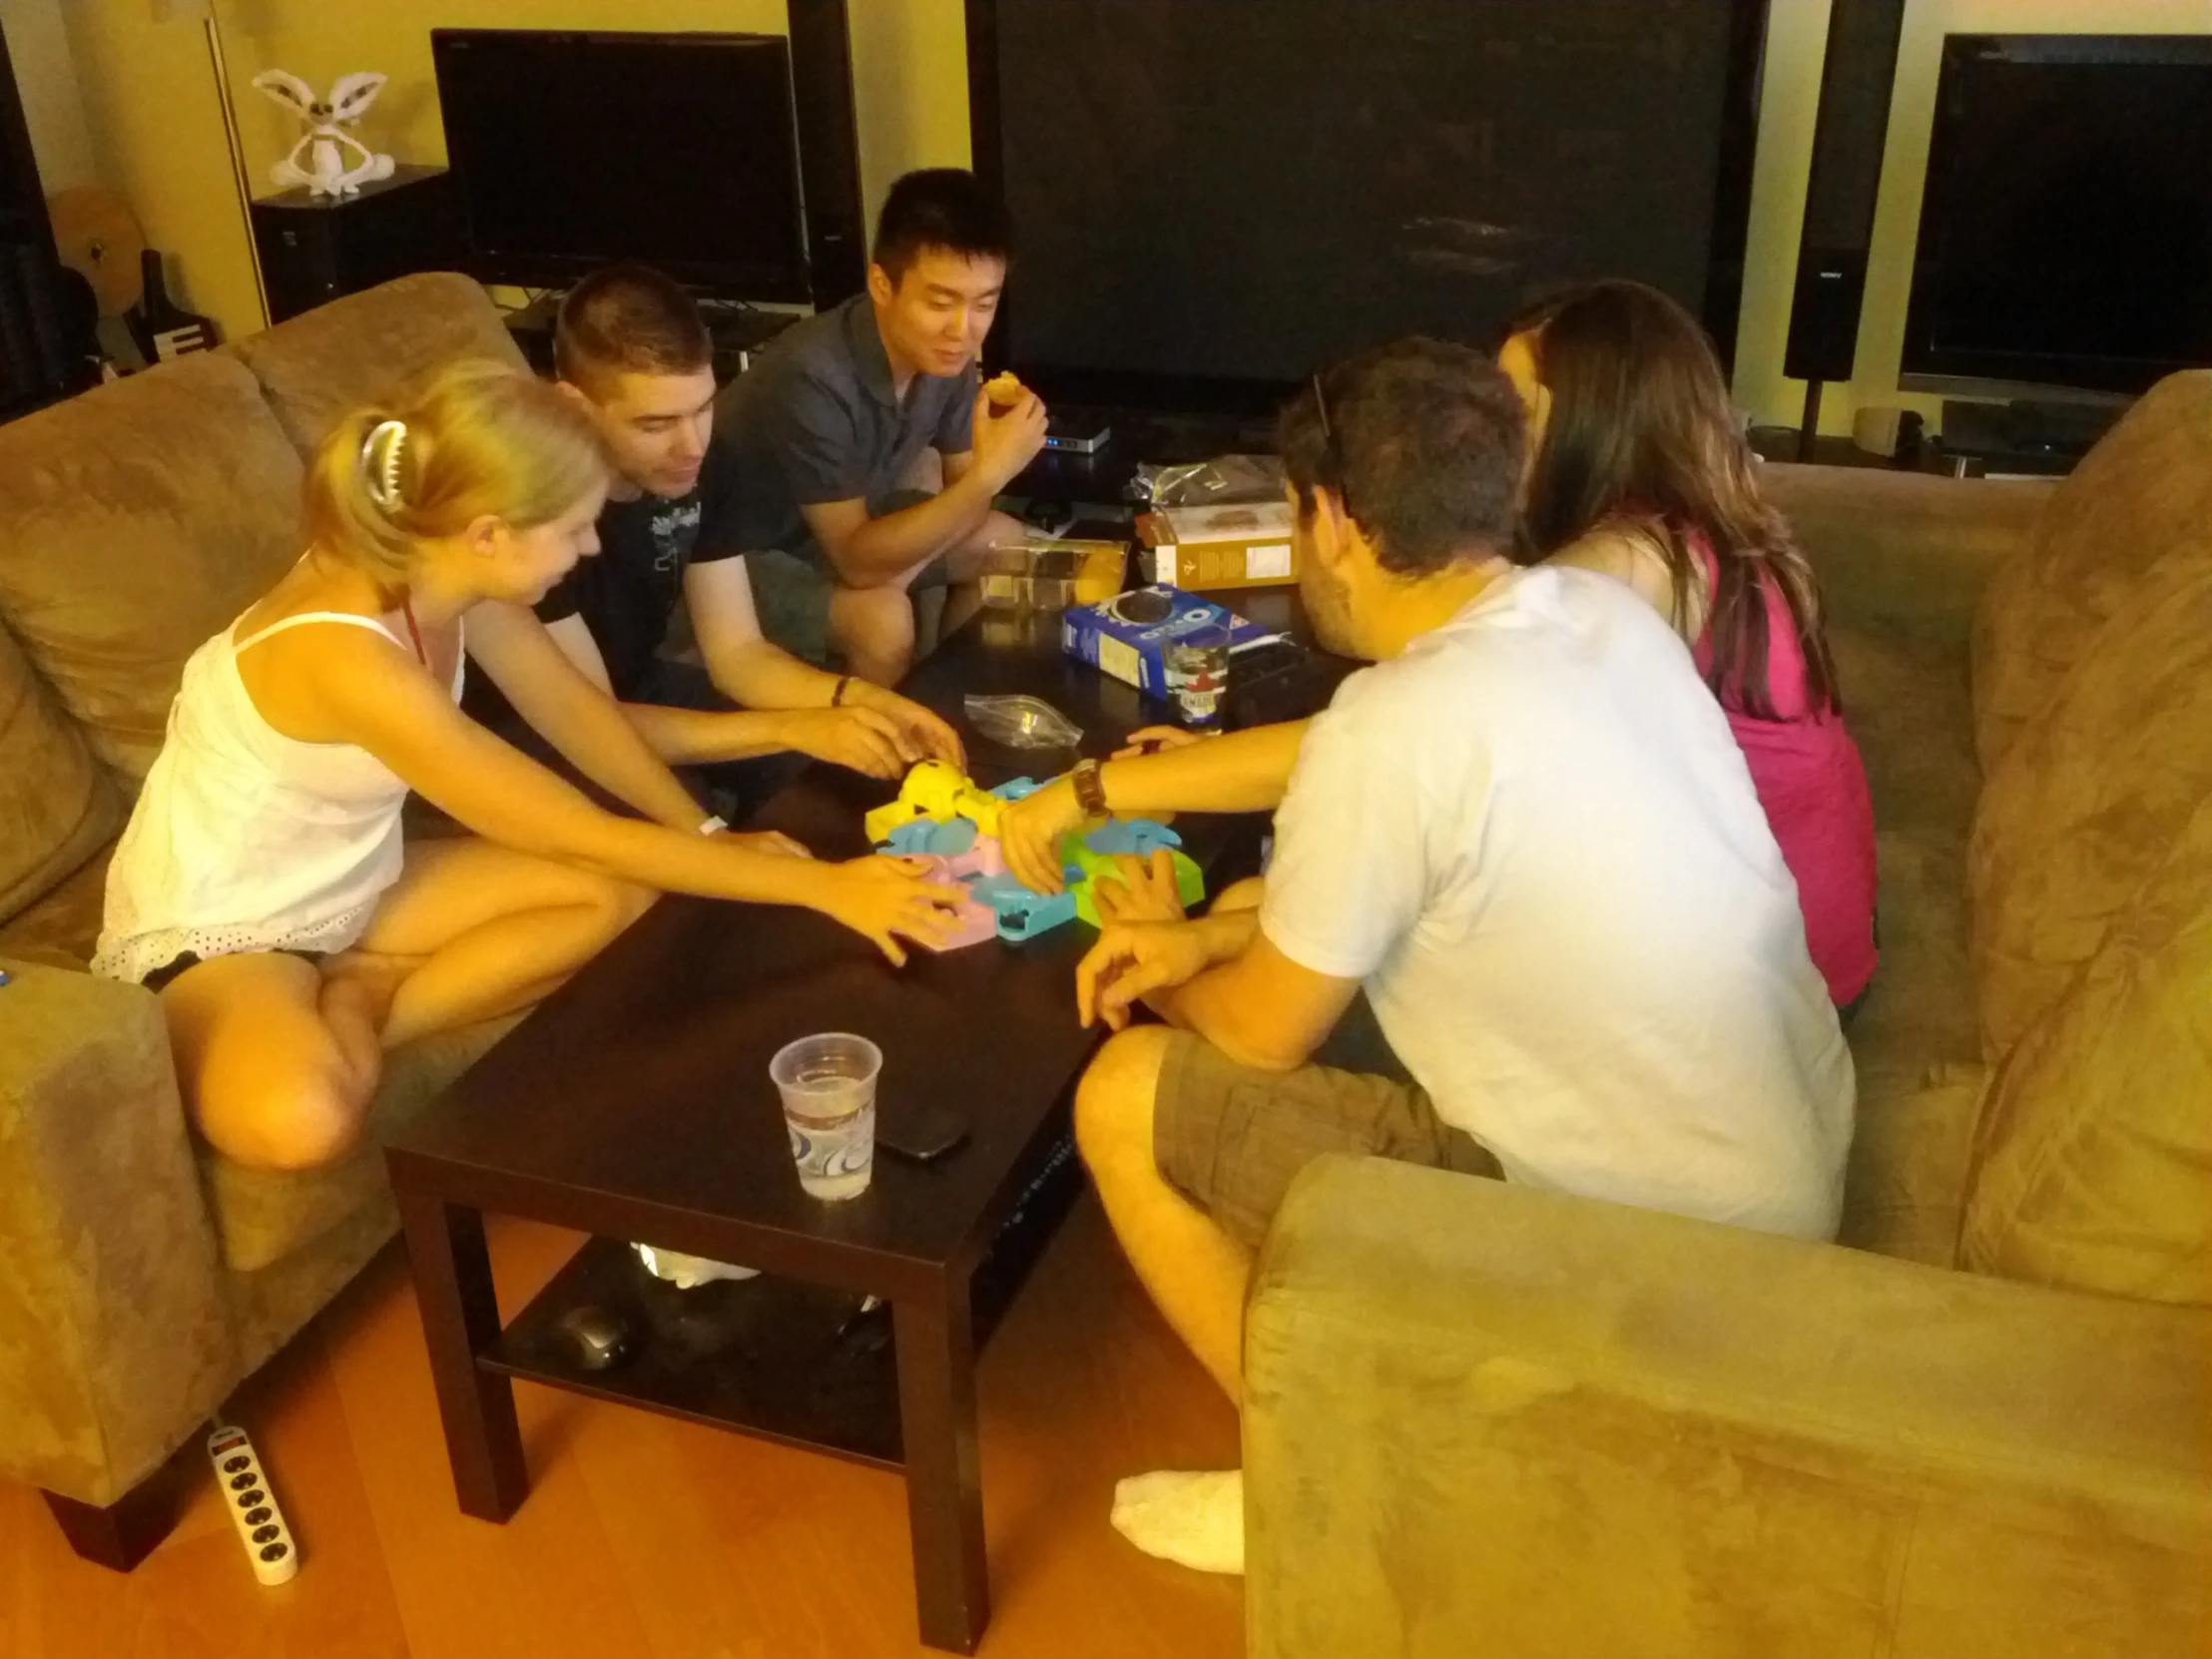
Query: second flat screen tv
(2066, 227)
(576, 148)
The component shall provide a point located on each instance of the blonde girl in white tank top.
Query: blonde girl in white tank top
(263, 884)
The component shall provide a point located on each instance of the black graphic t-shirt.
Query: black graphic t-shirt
(627, 593)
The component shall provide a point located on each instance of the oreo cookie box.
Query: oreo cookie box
(1128, 635)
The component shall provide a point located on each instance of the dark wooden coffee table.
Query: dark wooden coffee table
(634, 1104)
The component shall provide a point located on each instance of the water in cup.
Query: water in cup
(828, 1087)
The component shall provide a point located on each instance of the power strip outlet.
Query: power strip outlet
(253, 1505)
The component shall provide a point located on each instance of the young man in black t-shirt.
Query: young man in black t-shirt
(631, 348)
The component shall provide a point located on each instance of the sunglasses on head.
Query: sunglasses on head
(1333, 449)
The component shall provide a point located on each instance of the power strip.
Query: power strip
(253, 1505)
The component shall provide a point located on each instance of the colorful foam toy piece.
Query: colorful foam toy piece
(1138, 835)
(927, 837)
(1093, 855)
(942, 817)
(979, 921)
(1024, 914)
(940, 792)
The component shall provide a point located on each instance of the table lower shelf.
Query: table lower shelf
(774, 1358)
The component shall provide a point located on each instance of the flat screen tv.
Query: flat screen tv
(2065, 233)
(1211, 197)
(576, 148)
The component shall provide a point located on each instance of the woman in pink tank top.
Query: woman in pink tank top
(1637, 469)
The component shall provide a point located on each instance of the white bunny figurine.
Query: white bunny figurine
(326, 124)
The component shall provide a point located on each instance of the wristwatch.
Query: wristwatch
(1090, 788)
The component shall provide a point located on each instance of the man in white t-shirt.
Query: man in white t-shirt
(1529, 835)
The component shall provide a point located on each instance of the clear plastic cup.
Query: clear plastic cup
(1197, 664)
(828, 1087)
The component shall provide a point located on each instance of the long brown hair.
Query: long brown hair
(1641, 432)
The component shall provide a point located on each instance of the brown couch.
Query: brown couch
(1481, 1418)
(143, 1276)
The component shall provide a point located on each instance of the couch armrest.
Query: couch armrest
(1904, 551)
(1487, 1418)
(115, 1339)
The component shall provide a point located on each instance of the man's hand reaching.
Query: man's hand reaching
(1138, 889)
(923, 734)
(860, 738)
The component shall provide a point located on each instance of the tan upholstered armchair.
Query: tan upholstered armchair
(142, 1277)
(1487, 1419)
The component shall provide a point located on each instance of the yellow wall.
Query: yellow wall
(909, 89)
(1792, 86)
(319, 40)
(157, 133)
(149, 97)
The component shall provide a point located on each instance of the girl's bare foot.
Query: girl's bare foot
(358, 991)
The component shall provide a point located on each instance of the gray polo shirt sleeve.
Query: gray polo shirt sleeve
(816, 437)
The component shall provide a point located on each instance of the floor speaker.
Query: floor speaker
(828, 149)
(1849, 128)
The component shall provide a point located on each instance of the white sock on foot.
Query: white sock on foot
(1194, 1518)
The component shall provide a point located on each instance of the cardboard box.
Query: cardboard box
(1128, 636)
(1237, 545)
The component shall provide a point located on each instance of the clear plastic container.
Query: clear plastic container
(1051, 575)
(828, 1087)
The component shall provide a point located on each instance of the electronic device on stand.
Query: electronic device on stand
(727, 161)
(2063, 264)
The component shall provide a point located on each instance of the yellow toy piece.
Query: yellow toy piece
(940, 792)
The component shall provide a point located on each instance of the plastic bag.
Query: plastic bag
(1226, 478)
(1023, 721)
(688, 1271)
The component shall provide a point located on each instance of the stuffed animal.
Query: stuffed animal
(325, 138)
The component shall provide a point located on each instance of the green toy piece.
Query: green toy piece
(1190, 883)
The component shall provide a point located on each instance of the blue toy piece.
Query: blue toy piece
(1015, 788)
(1138, 835)
(948, 839)
(911, 836)
(1022, 915)
(952, 838)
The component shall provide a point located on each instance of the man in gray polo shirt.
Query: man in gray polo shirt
(865, 452)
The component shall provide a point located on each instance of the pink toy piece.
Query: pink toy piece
(979, 921)
(978, 924)
(983, 859)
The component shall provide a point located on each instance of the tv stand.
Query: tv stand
(2028, 434)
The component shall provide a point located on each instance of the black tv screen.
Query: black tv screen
(574, 149)
(1232, 192)
(2066, 227)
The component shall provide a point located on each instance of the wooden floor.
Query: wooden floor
(653, 1538)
